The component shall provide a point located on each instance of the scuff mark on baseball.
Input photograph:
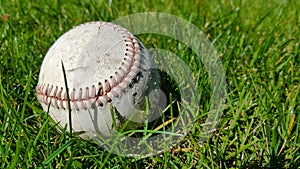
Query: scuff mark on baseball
(106, 67)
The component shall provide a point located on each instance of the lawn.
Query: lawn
(257, 43)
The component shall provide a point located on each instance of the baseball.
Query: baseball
(109, 73)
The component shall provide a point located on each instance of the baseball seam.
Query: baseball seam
(101, 94)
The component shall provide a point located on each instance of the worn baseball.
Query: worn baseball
(109, 73)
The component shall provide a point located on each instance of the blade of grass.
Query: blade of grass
(56, 153)
(68, 98)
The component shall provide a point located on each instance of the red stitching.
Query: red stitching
(100, 91)
(114, 85)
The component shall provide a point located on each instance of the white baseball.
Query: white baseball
(107, 68)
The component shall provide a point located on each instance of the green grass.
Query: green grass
(258, 42)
